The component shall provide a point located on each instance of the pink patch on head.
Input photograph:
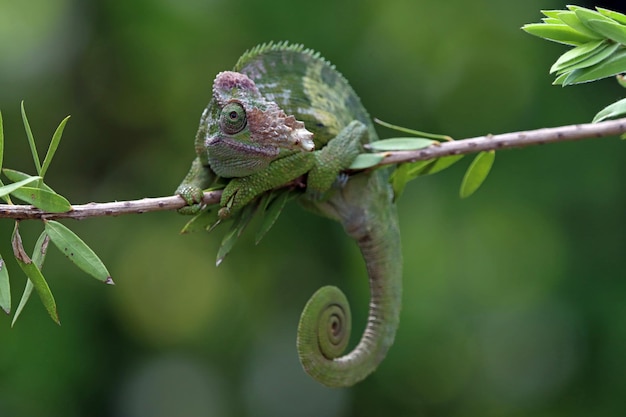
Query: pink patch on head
(229, 84)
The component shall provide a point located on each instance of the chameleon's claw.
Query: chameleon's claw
(193, 197)
(223, 213)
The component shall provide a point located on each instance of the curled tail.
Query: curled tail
(365, 209)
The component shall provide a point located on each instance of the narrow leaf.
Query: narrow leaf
(10, 188)
(612, 111)
(5, 288)
(571, 19)
(551, 13)
(43, 199)
(28, 290)
(557, 33)
(34, 275)
(54, 144)
(366, 160)
(477, 173)
(552, 21)
(77, 251)
(399, 178)
(39, 254)
(31, 140)
(586, 15)
(437, 165)
(16, 176)
(201, 221)
(577, 54)
(271, 211)
(240, 222)
(610, 29)
(400, 144)
(618, 17)
(613, 65)
(413, 132)
(594, 58)
(1, 141)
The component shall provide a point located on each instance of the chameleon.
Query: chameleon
(285, 114)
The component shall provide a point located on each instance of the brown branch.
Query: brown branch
(457, 147)
(510, 140)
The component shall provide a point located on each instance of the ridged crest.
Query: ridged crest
(306, 85)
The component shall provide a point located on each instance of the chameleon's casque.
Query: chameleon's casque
(285, 113)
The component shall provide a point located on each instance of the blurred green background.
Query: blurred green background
(514, 298)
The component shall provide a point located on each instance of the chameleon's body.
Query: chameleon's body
(247, 134)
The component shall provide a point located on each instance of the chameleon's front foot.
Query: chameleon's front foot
(193, 197)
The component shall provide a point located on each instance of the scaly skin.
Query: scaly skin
(282, 86)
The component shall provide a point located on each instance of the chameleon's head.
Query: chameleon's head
(245, 131)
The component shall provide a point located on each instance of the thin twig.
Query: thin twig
(510, 140)
(457, 147)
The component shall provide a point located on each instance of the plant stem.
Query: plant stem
(456, 147)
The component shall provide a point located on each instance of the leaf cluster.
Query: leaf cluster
(33, 190)
(598, 38)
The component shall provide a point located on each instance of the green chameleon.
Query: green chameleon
(285, 115)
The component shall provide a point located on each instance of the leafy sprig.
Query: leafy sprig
(33, 190)
(598, 38)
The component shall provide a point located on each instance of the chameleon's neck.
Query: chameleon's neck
(365, 209)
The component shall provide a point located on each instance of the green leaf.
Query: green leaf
(412, 131)
(31, 140)
(34, 275)
(43, 199)
(586, 15)
(201, 221)
(5, 288)
(612, 111)
(77, 251)
(557, 33)
(571, 19)
(593, 59)
(409, 171)
(551, 21)
(560, 79)
(610, 29)
(366, 160)
(1, 141)
(477, 173)
(16, 176)
(400, 144)
(440, 164)
(613, 65)
(551, 13)
(618, 17)
(10, 188)
(399, 179)
(28, 290)
(54, 144)
(39, 254)
(240, 222)
(271, 211)
(577, 54)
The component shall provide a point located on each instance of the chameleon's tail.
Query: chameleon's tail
(365, 209)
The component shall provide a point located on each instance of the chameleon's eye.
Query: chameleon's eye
(233, 118)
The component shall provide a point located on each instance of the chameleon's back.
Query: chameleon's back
(304, 84)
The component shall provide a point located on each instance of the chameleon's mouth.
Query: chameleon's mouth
(231, 158)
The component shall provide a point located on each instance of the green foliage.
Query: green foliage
(34, 190)
(599, 40)
(477, 173)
